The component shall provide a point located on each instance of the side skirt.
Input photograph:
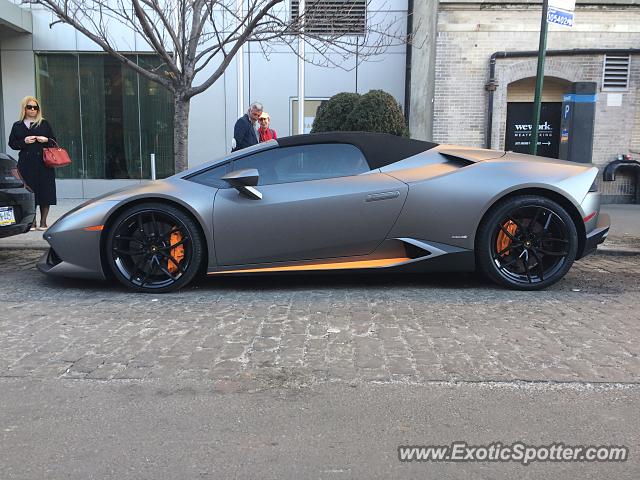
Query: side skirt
(394, 256)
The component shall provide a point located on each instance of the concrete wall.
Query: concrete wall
(16, 26)
(17, 67)
(423, 61)
(469, 34)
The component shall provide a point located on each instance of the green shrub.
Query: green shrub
(332, 114)
(377, 111)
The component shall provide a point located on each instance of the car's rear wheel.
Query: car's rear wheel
(154, 248)
(526, 243)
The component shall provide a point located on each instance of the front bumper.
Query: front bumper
(15, 229)
(598, 235)
(48, 261)
(76, 250)
(51, 264)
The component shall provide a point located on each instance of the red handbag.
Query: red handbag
(55, 157)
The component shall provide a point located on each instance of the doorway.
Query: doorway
(518, 128)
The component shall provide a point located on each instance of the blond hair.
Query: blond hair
(23, 106)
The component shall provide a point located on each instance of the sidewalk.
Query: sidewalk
(624, 237)
(34, 240)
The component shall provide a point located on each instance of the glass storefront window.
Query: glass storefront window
(58, 90)
(156, 122)
(108, 117)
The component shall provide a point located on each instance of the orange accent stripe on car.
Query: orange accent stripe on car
(95, 228)
(383, 262)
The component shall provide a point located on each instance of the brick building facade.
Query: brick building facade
(469, 32)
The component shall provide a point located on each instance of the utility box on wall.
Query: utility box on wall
(577, 122)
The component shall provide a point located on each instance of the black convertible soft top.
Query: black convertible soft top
(380, 149)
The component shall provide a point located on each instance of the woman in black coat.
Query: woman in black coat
(30, 135)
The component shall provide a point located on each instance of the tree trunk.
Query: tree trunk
(180, 131)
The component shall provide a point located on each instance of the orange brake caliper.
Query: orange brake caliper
(177, 253)
(503, 241)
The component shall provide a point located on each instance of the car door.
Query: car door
(318, 201)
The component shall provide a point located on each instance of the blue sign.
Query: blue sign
(575, 98)
(561, 17)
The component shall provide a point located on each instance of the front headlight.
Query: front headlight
(594, 186)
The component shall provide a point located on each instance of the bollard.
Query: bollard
(153, 166)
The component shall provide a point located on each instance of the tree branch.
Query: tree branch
(241, 41)
(64, 16)
(151, 36)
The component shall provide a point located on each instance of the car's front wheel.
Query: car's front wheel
(526, 242)
(154, 248)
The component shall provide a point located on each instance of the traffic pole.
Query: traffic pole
(542, 50)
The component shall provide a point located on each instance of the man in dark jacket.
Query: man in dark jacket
(245, 131)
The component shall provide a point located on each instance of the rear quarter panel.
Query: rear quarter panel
(449, 206)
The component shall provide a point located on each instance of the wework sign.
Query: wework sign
(518, 134)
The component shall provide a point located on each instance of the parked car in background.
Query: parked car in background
(17, 203)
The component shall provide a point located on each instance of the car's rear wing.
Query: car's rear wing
(469, 154)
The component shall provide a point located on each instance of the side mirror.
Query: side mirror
(244, 181)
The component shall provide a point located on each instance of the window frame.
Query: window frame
(201, 173)
(310, 145)
(232, 163)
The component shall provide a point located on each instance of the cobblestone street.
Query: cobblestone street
(300, 330)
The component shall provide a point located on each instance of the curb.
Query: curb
(619, 251)
(42, 248)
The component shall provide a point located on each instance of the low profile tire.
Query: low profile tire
(154, 248)
(526, 242)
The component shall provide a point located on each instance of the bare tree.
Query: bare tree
(199, 38)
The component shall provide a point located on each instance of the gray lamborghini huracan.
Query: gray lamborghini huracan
(337, 201)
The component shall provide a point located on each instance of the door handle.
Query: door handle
(374, 197)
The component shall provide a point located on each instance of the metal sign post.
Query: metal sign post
(561, 13)
(542, 50)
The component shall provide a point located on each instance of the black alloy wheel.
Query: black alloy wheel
(154, 248)
(527, 243)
